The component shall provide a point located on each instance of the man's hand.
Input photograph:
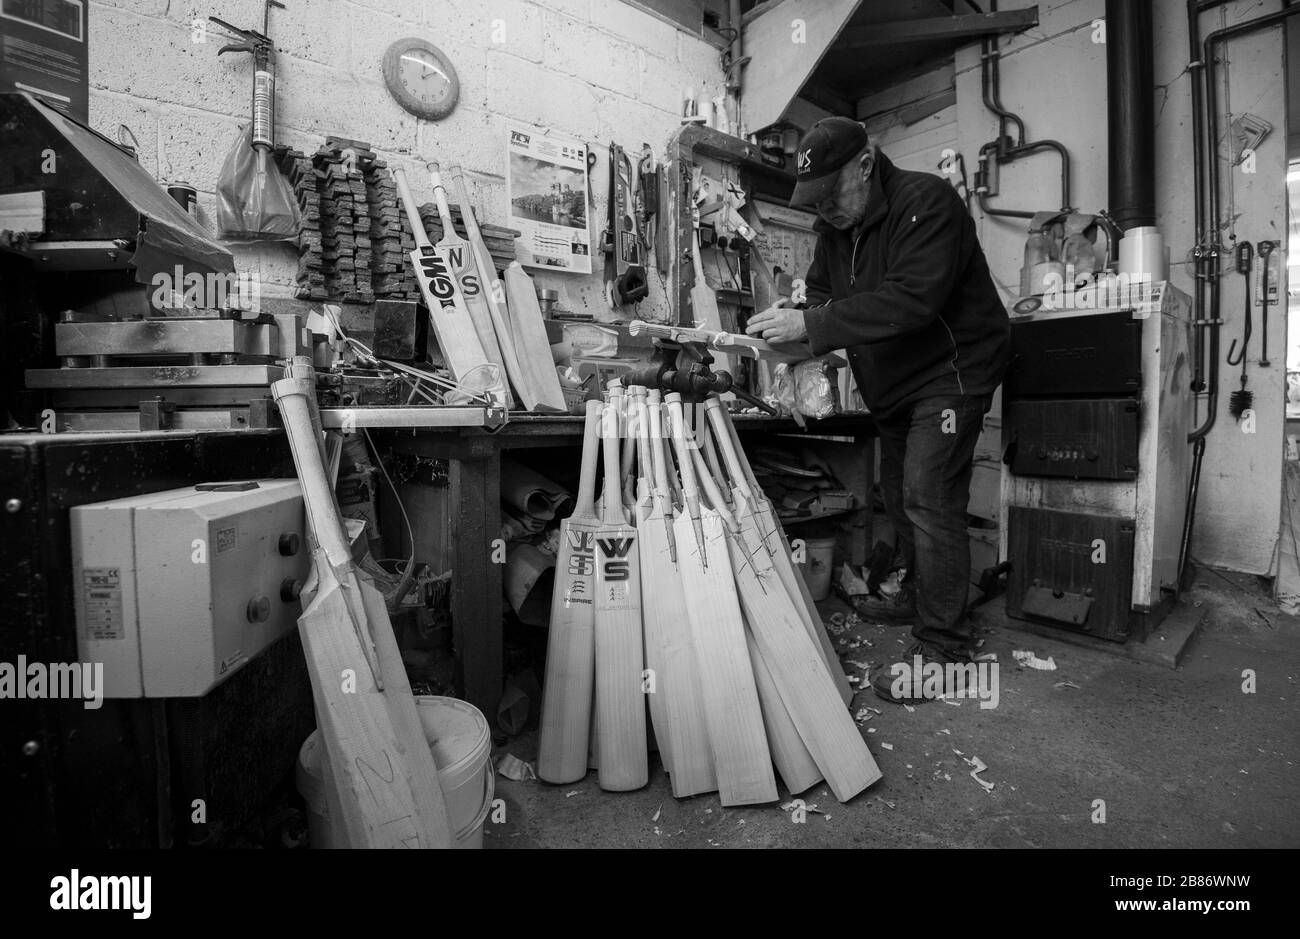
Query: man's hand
(778, 324)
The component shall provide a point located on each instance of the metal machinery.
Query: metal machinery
(183, 372)
(1097, 413)
(214, 706)
(126, 774)
(174, 591)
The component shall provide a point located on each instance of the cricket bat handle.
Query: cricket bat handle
(690, 489)
(609, 434)
(638, 424)
(716, 412)
(440, 197)
(412, 210)
(585, 504)
(486, 266)
(654, 406)
(745, 468)
(301, 367)
(713, 493)
(292, 397)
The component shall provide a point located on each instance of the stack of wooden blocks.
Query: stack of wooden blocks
(355, 239)
(297, 168)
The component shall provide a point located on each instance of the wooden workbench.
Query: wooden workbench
(474, 478)
(165, 459)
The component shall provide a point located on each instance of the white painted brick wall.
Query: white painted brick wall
(653, 35)
(590, 55)
(598, 70)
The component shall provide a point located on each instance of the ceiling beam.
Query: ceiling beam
(930, 29)
(825, 98)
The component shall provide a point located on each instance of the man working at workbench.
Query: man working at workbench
(899, 280)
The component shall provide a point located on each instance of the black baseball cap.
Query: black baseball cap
(822, 153)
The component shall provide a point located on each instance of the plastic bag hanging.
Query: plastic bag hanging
(254, 201)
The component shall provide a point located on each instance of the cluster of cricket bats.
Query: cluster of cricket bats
(491, 334)
(676, 594)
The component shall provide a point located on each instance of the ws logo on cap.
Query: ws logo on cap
(803, 160)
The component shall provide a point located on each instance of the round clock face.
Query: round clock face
(421, 79)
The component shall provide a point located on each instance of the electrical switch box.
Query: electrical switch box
(175, 591)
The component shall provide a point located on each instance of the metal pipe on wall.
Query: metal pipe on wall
(1000, 150)
(1130, 113)
(1205, 130)
(1208, 217)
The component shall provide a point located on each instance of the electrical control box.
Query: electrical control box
(175, 591)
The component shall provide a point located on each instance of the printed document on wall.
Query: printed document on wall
(547, 184)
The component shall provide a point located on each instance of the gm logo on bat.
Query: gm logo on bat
(441, 284)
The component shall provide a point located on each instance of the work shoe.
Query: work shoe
(896, 610)
(922, 675)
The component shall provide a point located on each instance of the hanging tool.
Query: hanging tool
(647, 196)
(260, 47)
(1241, 400)
(1265, 249)
(254, 201)
(625, 265)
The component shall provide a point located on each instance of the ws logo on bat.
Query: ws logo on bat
(582, 568)
(616, 570)
(469, 283)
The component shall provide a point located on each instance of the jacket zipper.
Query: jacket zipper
(853, 263)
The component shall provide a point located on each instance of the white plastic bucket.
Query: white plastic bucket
(818, 566)
(461, 743)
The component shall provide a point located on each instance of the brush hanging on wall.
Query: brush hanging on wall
(1241, 400)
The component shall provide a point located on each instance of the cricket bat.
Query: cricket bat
(628, 440)
(494, 293)
(642, 507)
(779, 549)
(678, 679)
(460, 258)
(792, 656)
(448, 315)
(383, 784)
(742, 760)
(620, 704)
(709, 450)
(531, 342)
(570, 650)
(793, 760)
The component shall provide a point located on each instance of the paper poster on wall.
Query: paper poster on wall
(547, 185)
(43, 52)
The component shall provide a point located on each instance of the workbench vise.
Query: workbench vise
(682, 362)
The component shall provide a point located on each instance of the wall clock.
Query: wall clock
(421, 79)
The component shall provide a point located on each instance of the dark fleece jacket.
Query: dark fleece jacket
(908, 294)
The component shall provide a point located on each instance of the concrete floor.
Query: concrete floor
(1181, 758)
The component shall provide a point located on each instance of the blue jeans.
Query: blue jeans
(925, 472)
